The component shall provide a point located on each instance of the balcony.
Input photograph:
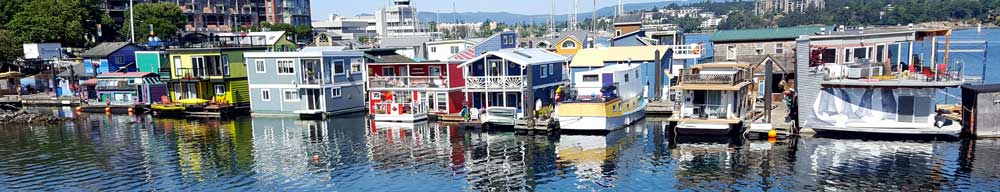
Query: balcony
(164, 73)
(721, 79)
(197, 73)
(400, 82)
(314, 79)
(502, 82)
(705, 111)
(867, 75)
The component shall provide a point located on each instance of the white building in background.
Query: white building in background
(400, 19)
(351, 28)
(442, 50)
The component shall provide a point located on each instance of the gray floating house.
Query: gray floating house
(308, 82)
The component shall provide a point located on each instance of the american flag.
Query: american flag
(468, 54)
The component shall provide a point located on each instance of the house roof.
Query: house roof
(78, 69)
(785, 33)
(596, 57)
(522, 56)
(324, 48)
(104, 49)
(638, 35)
(989, 88)
(384, 55)
(269, 37)
(470, 52)
(628, 19)
(404, 41)
(126, 74)
(578, 35)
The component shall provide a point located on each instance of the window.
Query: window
(434, 50)
(338, 67)
(618, 33)
(442, 101)
(552, 69)
(220, 89)
(569, 44)
(760, 49)
(731, 52)
(259, 66)
(779, 48)
(198, 63)
(829, 55)
(388, 71)
(626, 77)
(334, 92)
(265, 95)
(286, 67)
(120, 60)
(356, 65)
(590, 78)
(177, 65)
(435, 71)
(225, 65)
(454, 49)
(291, 95)
(544, 70)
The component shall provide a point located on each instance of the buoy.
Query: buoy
(79, 109)
(772, 134)
(107, 110)
(772, 140)
(131, 110)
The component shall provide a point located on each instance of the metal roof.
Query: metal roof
(104, 49)
(522, 56)
(596, 57)
(785, 33)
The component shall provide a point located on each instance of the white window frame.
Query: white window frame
(393, 69)
(278, 66)
(216, 89)
(438, 97)
(759, 49)
(543, 70)
(552, 69)
(284, 95)
(779, 48)
(335, 93)
(260, 66)
(563, 45)
(731, 52)
(434, 49)
(356, 65)
(265, 94)
(343, 69)
(439, 70)
(225, 64)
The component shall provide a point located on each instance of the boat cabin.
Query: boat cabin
(125, 88)
(714, 96)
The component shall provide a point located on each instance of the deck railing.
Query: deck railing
(727, 79)
(391, 108)
(502, 82)
(408, 82)
(706, 111)
(951, 72)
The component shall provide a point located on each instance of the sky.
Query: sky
(321, 9)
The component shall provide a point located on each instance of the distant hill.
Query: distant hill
(505, 17)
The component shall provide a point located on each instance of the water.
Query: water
(121, 153)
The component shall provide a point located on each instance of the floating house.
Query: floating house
(872, 81)
(754, 45)
(502, 40)
(714, 99)
(122, 90)
(308, 82)
(402, 89)
(213, 69)
(570, 42)
(110, 57)
(156, 62)
(442, 50)
(500, 78)
(590, 59)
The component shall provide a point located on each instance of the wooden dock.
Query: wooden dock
(546, 126)
(660, 108)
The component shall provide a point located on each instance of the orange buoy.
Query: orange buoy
(772, 134)
(107, 110)
(79, 109)
(131, 110)
(772, 140)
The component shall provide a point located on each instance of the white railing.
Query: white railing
(408, 82)
(690, 51)
(390, 108)
(503, 82)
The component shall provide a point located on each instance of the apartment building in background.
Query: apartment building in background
(224, 15)
(786, 6)
(400, 19)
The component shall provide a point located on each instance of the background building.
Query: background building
(400, 19)
(786, 6)
(209, 15)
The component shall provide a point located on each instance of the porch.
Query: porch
(510, 83)
(408, 82)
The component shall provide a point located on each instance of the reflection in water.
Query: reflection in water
(115, 153)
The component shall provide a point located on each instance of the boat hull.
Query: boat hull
(601, 123)
(400, 117)
(703, 129)
(953, 130)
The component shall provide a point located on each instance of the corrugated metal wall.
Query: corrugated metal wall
(807, 83)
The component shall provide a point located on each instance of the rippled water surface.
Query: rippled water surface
(121, 153)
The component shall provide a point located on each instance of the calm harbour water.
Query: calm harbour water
(122, 153)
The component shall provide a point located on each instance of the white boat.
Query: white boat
(715, 99)
(604, 99)
(498, 116)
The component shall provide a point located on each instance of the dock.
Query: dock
(541, 126)
(43, 100)
(660, 108)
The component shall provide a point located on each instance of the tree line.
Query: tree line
(865, 12)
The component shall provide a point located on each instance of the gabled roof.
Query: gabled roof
(596, 57)
(785, 33)
(470, 52)
(579, 35)
(639, 35)
(79, 70)
(628, 19)
(522, 56)
(105, 49)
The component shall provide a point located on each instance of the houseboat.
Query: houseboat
(403, 89)
(670, 59)
(713, 99)
(309, 83)
(208, 76)
(124, 92)
(605, 99)
(872, 81)
(504, 78)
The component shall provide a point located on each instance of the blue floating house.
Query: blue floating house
(110, 57)
(309, 82)
(498, 78)
(502, 40)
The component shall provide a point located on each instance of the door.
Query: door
(608, 79)
(312, 99)
(429, 101)
(906, 109)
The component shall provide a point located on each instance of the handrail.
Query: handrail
(409, 82)
(707, 111)
(501, 82)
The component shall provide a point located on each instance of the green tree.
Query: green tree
(8, 8)
(70, 22)
(10, 48)
(166, 18)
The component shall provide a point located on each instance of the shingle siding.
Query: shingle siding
(747, 52)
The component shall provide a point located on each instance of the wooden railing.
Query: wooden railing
(502, 82)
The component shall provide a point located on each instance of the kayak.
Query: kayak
(193, 101)
(160, 107)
